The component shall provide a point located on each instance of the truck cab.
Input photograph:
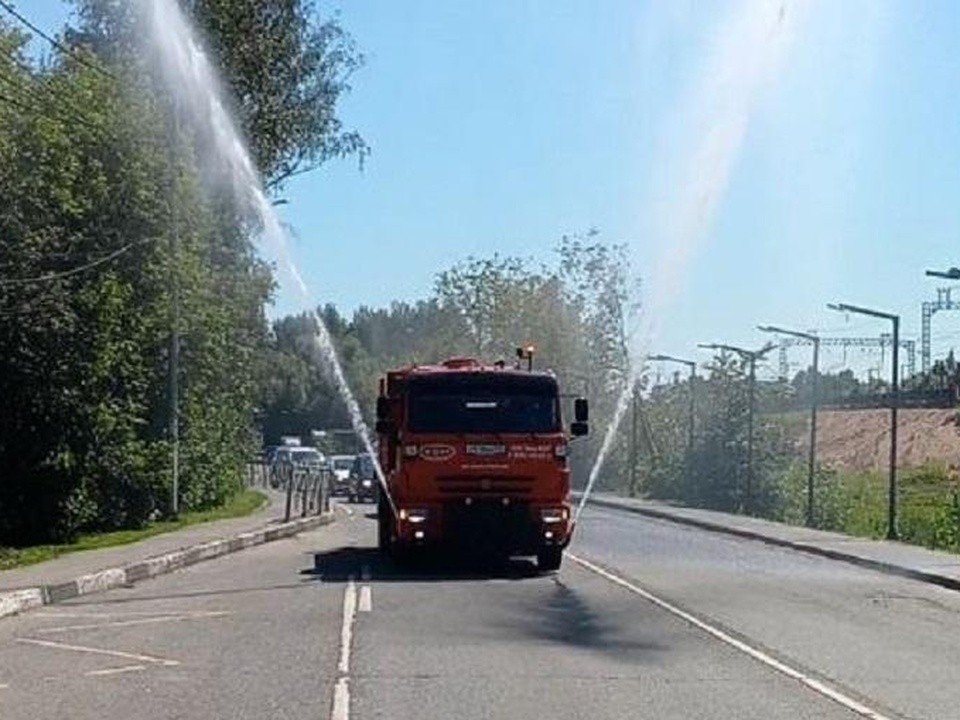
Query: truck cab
(475, 460)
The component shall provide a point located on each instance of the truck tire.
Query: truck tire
(549, 559)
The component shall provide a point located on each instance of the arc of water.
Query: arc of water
(193, 80)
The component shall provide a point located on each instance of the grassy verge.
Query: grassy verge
(243, 504)
(855, 503)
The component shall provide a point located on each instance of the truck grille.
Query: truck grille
(479, 486)
(487, 527)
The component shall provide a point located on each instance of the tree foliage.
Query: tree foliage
(88, 276)
(717, 471)
(574, 312)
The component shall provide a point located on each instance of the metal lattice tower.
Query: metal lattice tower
(882, 342)
(927, 309)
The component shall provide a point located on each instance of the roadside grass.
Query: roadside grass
(855, 503)
(241, 505)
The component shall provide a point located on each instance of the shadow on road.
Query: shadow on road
(566, 616)
(339, 565)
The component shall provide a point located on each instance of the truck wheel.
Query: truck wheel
(549, 559)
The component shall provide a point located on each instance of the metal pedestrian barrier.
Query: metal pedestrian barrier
(306, 487)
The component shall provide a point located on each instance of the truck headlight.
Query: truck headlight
(550, 516)
(366, 483)
(414, 515)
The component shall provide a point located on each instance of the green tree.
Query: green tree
(286, 69)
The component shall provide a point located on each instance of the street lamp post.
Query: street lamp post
(752, 356)
(951, 274)
(894, 403)
(693, 376)
(814, 386)
(173, 386)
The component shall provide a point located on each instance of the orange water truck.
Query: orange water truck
(475, 460)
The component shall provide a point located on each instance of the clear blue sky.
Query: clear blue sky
(500, 125)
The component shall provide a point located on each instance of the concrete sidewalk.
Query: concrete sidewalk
(88, 571)
(917, 563)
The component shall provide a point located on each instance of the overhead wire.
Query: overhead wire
(49, 277)
(62, 111)
(14, 102)
(63, 101)
(11, 10)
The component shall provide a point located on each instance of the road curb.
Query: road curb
(945, 581)
(14, 602)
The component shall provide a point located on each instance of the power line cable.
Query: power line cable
(62, 100)
(49, 277)
(54, 42)
(36, 96)
(14, 102)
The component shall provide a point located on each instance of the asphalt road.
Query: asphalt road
(318, 627)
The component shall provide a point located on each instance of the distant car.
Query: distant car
(302, 457)
(362, 484)
(340, 466)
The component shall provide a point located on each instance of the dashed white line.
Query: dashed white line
(3, 686)
(341, 700)
(346, 629)
(115, 671)
(341, 691)
(98, 651)
(366, 599)
(816, 685)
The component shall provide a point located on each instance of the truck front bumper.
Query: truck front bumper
(486, 527)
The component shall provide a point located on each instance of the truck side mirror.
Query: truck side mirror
(383, 408)
(581, 411)
(579, 429)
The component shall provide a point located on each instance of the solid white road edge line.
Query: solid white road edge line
(341, 691)
(98, 651)
(811, 682)
(365, 603)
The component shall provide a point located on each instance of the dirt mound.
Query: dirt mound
(860, 439)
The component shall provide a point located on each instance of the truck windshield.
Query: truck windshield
(478, 404)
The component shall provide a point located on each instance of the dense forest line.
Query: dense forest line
(575, 311)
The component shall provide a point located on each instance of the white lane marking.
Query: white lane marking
(115, 671)
(3, 686)
(98, 651)
(341, 700)
(126, 623)
(346, 630)
(366, 599)
(365, 573)
(341, 691)
(816, 685)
